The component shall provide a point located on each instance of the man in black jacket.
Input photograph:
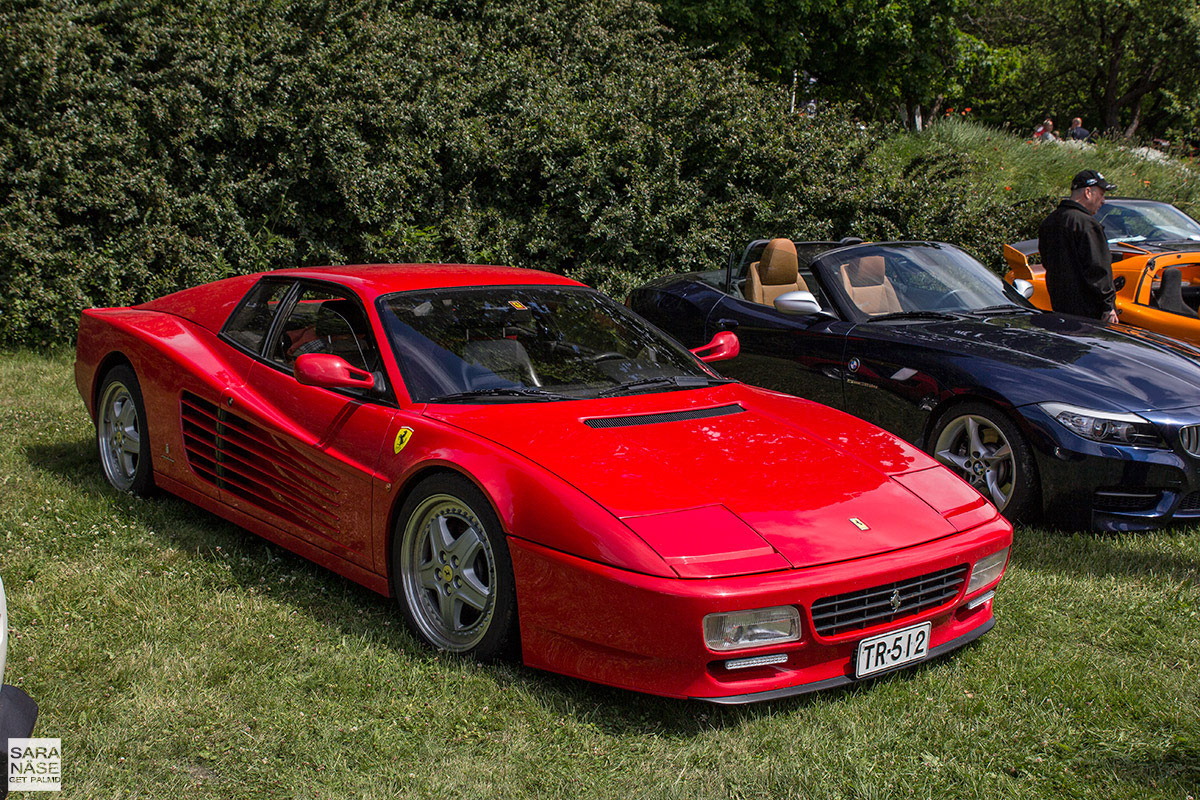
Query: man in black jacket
(1075, 252)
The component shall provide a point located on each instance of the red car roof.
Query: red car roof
(209, 305)
(377, 279)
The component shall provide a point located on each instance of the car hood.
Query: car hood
(1133, 247)
(1032, 358)
(749, 472)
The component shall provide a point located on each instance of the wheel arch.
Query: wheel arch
(1000, 404)
(116, 358)
(405, 491)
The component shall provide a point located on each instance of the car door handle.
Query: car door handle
(726, 324)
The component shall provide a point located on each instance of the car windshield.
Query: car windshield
(881, 280)
(1146, 222)
(528, 343)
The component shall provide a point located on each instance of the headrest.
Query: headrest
(779, 265)
(868, 271)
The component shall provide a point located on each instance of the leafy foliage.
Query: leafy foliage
(879, 54)
(1121, 65)
(145, 147)
(1116, 63)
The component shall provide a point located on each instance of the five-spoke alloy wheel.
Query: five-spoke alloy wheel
(121, 432)
(984, 447)
(451, 569)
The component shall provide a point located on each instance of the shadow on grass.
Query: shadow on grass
(350, 609)
(1179, 763)
(1104, 554)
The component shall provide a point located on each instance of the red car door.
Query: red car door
(307, 455)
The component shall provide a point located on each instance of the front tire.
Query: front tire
(451, 570)
(988, 451)
(122, 434)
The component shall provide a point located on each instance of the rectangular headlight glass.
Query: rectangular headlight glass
(736, 630)
(987, 570)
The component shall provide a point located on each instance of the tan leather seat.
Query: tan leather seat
(777, 273)
(869, 287)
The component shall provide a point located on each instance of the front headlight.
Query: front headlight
(737, 630)
(986, 570)
(1111, 427)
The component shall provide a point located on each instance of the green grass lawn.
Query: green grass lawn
(176, 655)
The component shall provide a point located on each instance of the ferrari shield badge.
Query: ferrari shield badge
(402, 437)
(858, 523)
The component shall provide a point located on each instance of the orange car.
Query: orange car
(1156, 266)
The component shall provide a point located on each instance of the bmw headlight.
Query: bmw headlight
(1111, 427)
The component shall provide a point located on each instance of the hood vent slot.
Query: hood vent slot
(253, 467)
(667, 416)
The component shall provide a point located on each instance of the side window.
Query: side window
(249, 323)
(325, 321)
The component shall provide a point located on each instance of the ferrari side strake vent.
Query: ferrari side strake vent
(1189, 437)
(887, 603)
(668, 416)
(240, 458)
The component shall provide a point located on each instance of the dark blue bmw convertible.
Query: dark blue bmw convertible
(1050, 416)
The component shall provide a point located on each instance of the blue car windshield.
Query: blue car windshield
(1146, 221)
(527, 343)
(882, 279)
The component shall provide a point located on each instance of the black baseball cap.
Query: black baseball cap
(1089, 177)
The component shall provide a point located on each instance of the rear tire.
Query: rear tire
(122, 435)
(451, 570)
(987, 450)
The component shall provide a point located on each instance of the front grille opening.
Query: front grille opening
(1124, 500)
(889, 602)
(1190, 503)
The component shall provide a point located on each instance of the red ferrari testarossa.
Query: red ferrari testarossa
(528, 466)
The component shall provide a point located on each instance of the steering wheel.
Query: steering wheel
(607, 355)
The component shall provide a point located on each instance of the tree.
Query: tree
(1127, 61)
(879, 55)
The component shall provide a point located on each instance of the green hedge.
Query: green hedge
(148, 146)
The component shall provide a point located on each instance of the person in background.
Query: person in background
(1077, 132)
(1045, 131)
(1075, 252)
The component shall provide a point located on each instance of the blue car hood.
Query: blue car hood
(1032, 358)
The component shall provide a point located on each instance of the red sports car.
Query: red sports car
(528, 466)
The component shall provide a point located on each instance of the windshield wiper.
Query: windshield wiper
(914, 315)
(1003, 308)
(675, 381)
(514, 392)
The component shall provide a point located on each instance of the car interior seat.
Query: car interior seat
(1170, 294)
(507, 358)
(776, 273)
(868, 286)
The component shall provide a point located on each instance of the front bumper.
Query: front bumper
(644, 633)
(1087, 484)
